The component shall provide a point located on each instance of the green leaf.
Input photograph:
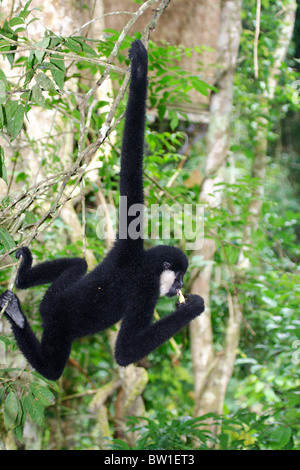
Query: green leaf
(34, 408)
(25, 12)
(200, 86)
(58, 73)
(161, 108)
(33, 19)
(30, 218)
(29, 75)
(59, 78)
(27, 5)
(85, 47)
(232, 254)
(2, 118)
(22, 176)
(43, 44)
(2, 390)
(14, 118)
(3, 174)
(2, 91)
(45, 82)
(15, 21)
(11, 410)
(19, 30)
(280, 437)
(58, 61)
(19, 428)
(37, 95)
(6, 239)
(44, 396)
(9, 33)
(119, 444)
(174, 121)
(74, 46)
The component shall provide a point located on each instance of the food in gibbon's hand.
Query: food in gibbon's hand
(131, 278)
(181, 297)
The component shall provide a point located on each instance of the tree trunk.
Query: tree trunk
(211, 371)
(177, 26)
(261, 141)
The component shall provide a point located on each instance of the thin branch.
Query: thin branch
(101, 18)
(83, 218)
(116, 48)
(64, 55)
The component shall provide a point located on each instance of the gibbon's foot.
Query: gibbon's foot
(12, 309)
(24, 252)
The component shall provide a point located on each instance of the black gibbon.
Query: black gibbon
(125, 286)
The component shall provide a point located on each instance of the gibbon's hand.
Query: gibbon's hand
(193, 305)
(139, 60)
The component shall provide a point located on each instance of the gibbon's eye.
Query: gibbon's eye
(167, 265)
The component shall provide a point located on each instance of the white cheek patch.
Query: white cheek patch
(167, 279)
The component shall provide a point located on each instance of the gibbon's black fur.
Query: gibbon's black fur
(125, 286)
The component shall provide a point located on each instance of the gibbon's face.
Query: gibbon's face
(170, 281)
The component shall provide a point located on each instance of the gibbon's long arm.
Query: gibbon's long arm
(138, 337)
(131, 176)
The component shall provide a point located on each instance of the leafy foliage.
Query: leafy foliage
(241, 431)
(34, 399)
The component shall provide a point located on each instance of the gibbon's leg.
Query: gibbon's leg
(46, 272)
(47, 357)
(50, 355)
(134, 343)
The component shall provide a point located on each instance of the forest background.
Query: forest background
(222, 131)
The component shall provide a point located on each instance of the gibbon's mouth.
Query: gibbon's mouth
(172, 292)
